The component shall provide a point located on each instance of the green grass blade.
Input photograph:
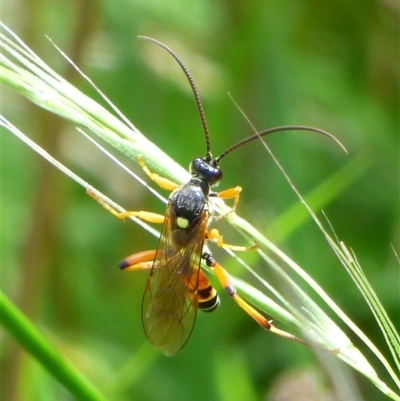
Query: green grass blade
(29, 337)
(295, 216)
(388, 330)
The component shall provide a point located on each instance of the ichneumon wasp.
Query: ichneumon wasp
(177, 287)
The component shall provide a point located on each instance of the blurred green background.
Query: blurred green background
(333, 65)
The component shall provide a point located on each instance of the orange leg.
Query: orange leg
(139, 261)
(231, 193)
(162, 182)
(150, 217)
(226, 282)
(143, 215)
(214, 236)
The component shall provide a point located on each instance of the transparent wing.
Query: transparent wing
(169, 302)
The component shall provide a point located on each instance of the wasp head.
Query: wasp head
(206, 170)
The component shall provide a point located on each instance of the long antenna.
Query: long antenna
(278, 129)
(194, 90)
